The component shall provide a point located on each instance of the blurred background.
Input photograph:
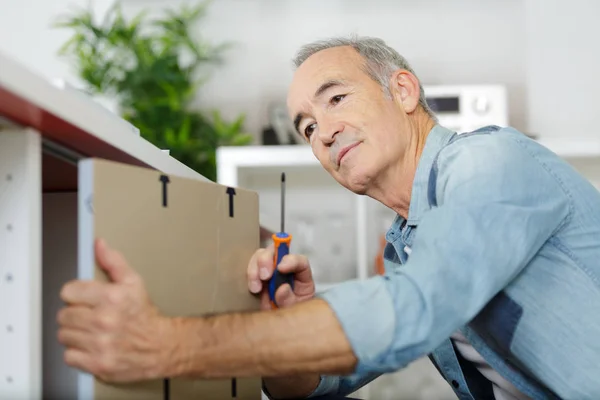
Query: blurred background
(207, 81)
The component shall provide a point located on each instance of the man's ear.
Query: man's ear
(405, 90)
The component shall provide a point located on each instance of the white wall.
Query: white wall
(467, 43)
(26, 33)
(545, 51)
(26, 36)
(563, 60)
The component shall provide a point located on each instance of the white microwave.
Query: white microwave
(464, 108)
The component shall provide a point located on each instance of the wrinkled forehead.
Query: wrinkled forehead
(335, 64)
(304, 83)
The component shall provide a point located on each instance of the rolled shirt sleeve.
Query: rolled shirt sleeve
(497, 204)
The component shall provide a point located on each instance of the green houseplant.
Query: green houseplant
(154, 68)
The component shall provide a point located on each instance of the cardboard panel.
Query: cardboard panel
(191, 242)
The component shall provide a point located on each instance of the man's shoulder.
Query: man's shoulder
(490, 161)
(489, 139)
(488, 149)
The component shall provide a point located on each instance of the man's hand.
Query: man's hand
(111, 329)
(260, 270)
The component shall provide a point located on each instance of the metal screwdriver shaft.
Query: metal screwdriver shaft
(283, 202)
(281, 241)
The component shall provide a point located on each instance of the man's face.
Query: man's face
(355, 129)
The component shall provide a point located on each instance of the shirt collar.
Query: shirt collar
(438, 137)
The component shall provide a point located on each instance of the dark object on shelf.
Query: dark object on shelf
(280, 130)
(270, 137)
(532, 135)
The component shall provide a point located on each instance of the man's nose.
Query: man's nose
(329, 131)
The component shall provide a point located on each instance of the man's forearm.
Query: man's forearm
(299, 340)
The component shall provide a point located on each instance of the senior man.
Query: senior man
(492, 263)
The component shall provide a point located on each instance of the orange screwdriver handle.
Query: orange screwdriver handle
(282, 243)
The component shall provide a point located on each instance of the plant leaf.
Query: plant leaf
(154, 67)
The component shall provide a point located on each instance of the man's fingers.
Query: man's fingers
(298, 265)
(254, 282)
(77, 358)
(73, 338)
(79, 318)
(86, 293)
(260, 270)
(284, 296)
(114, 263)
(264, 260)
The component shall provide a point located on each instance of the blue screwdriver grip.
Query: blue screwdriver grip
(282, 243)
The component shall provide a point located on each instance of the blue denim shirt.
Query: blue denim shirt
(504, 243)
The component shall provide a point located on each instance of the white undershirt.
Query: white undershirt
(503, 389)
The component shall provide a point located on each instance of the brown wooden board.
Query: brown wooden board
(190, 241)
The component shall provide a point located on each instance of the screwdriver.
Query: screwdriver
(281, 241)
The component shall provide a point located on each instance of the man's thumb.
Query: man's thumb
(113, 263)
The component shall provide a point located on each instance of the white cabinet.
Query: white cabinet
(20, 264)
(46, 135)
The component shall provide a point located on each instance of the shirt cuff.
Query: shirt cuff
(327, 385)
(365, 310)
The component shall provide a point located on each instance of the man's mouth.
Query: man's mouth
(345, 150)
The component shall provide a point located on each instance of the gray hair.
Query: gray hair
(380, 60)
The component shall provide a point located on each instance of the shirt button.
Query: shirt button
(455, 384)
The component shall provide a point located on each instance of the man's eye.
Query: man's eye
(337, 98)
(309, 130)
